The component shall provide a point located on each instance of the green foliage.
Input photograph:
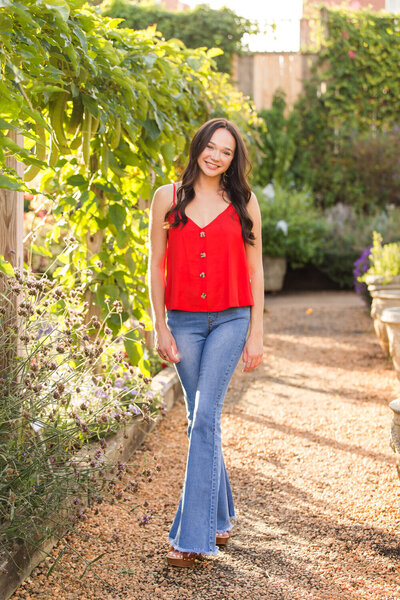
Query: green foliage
(278, 140)
(292, 226)
(53, 405)
(360, 60)
(107, 115)
(197, 28)
(384, 259)
(348, 233)
(344, 127)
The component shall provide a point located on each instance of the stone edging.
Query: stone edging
(119, 447)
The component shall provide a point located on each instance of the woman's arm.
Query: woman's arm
(253, 349)
(164, 340)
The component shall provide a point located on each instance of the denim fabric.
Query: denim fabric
(209, 345)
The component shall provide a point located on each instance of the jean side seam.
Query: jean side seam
(214, 469)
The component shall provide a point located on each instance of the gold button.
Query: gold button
(202, 234)
(202, 274)
(202, 254)
(203, 295)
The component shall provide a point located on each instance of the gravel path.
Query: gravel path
(306, 445)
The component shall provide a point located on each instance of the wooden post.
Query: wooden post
(11, 236)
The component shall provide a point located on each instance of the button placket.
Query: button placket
(203, 295)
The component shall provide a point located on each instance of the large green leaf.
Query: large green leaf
(133, 346)
(117, 215)
(6, 267)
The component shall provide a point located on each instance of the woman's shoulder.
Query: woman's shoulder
(167, 190)
(253, 203)
(163, 197)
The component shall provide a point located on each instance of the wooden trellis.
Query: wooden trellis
(11, 234)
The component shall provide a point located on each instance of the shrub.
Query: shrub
(62, 384)
(291, 225)
(278, 140)
(200, 27)
(384, 259)
(348, 232)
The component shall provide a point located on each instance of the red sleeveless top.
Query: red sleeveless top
(206, 266)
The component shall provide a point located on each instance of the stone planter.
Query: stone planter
(391, 318)
(376, 282)
(382, 299)
(274, 273)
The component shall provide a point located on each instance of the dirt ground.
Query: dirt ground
(306, 443)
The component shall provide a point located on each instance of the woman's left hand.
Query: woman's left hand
(252, 352)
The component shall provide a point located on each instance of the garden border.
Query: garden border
(119, 447)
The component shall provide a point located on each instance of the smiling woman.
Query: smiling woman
(206, 231)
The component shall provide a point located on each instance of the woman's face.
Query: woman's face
(216, 157)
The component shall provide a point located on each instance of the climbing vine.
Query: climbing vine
(106, 114)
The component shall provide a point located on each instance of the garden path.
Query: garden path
(306, 441)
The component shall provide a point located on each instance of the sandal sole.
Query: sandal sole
(221, 541)
(180, 562)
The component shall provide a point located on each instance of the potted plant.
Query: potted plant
(292, 231)
(383, 280)
(384, 271)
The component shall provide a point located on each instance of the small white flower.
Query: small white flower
(283, 226)
(37, 426)
(269, 191)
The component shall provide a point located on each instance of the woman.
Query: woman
(206, 233)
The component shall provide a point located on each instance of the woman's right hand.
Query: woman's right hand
(166, 345)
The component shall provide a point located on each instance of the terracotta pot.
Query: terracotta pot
(274, 273)
(391, 318)
(382, 299)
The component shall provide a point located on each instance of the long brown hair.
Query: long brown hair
(233, 181)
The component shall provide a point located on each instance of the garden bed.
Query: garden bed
(23, 559)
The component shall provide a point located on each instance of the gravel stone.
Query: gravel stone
(306, 442)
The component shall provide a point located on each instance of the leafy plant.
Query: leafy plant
(200, 27)
(348, 232)
(107, 115)
(348, 115)
(291, 225)
(278, 143)
(384, 259)
(63, 384)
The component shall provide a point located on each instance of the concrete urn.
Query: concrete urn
(382, 299)
(378, 282)
(274, 273)
(391, 318)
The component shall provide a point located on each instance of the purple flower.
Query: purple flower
(134, 409)
(362, 265)
(119, 383)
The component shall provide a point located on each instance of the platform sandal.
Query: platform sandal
(176, 558)
(222, 538)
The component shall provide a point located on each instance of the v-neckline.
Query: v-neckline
(213, 220)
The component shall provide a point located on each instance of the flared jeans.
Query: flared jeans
(210, 345)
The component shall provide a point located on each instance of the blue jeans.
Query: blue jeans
(209, 345)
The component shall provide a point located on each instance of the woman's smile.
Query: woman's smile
(218, 153)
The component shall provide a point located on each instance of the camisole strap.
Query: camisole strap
(173, 199)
